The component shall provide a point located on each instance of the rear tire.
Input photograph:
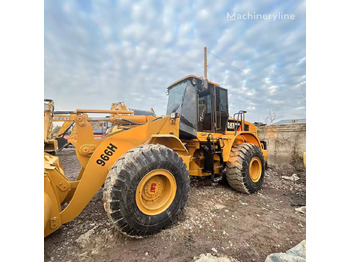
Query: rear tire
(146, 189)
(245, 169)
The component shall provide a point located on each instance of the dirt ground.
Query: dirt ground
(216, 220)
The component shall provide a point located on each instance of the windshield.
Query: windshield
(176, 94)
(183, 100)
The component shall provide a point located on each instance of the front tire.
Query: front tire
(245, 169)
(146, 189)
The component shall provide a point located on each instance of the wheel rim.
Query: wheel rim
(255, 169)
(155, 192)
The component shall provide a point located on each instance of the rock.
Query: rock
(84, 255)
(295, 254)
(84, 239)
(214, 250)
(261, 195)
(301, 209)
(293, 177)
(243, 203)
(94, 241)
(298, 250)
(210, 258)
(276, 226)
(282, 257)
(219, 206)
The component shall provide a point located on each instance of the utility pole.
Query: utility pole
(205, 63)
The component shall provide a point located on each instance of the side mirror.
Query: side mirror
(203, 86)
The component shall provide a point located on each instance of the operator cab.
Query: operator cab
(202, 105)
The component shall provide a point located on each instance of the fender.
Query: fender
(174, 143)
(247, 137)
(242, 137)
(170, 141)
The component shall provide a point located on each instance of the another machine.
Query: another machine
(50, 143)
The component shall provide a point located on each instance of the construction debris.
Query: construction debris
(301, 209)
(210, 258)
(293, 177)
(295, 254)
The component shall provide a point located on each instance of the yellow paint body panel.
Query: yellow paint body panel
(56, 188)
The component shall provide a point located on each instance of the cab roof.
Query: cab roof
(190, 76)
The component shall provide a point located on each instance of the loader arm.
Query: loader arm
(98, 156)
(68, 121)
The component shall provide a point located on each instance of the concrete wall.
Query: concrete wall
(285, 143)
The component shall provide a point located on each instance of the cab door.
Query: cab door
(221, 109)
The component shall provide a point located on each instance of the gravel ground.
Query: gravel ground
(215, 220)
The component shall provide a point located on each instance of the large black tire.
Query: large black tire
(121, 185)
(238, 169)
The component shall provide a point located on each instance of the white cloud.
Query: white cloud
(272, 89)
(102, 52)
(275, 102)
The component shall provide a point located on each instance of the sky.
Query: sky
(100, 52)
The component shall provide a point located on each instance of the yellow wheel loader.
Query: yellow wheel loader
(50, 143)
(145, 164)
(67, 117)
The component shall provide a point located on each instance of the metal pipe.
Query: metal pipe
(64, 112)
(104, 111)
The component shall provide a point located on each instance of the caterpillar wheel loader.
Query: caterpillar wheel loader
(67, 117)
(145, 165)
